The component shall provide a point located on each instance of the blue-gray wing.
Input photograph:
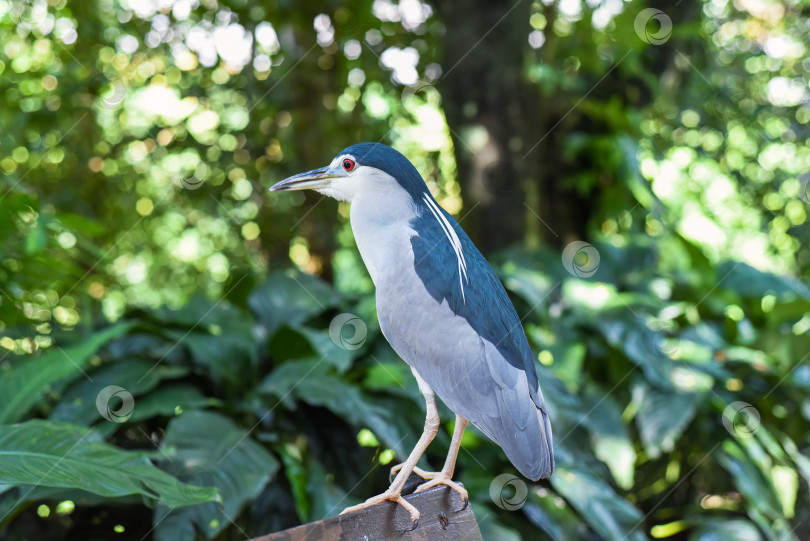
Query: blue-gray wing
(454, 323)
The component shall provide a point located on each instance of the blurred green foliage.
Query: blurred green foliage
(167, 363)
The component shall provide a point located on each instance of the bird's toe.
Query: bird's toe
(444, 480)
(388, 496)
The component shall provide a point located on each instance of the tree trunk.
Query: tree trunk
(510, 136)
(508, 162)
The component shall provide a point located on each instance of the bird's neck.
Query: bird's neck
(381, 222)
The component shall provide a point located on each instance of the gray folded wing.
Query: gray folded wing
(457, 327)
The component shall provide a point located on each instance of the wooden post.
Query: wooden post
(443, 518)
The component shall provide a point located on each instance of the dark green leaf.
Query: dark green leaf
(210, 450)
(228, 358)
(38, 236)
(171, 400)
(46, 453)
(609, 435)
(309, 381)
(296, 475)
(334, 354)
(630, 334)
(607, 514)
(726, 530)
(78, 405)
(749, 480)
(662, 417)
(290, 299)
(747, 281)
(22, 386)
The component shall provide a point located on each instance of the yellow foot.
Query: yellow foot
(417, 470)
(387, 496)
(439, 478)
(395, 470)
(435, 478)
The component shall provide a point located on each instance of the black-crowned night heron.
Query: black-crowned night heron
(443, 310)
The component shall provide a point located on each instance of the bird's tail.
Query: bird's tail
(548, 440)
(531, 450)
(526, 440)
(543, 452)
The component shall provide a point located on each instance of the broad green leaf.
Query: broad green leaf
(284, 380)
(171, 400)
(316, 495)
(490, 529)
(747, 281)
(219, 337)
(328, 499)
(299, 342)
(750, 481)
(340, 357)
(309, 381)
(786, 482)
(226, 358)
(726, 530)
(38, 236)
(531, 285)
(684, 349)
(752, 356)
(565, 407)
(135, 376)
(387, 375)
(591, 298)
(568, 356)
(47, 453)
(769, 455)
(296, 475)
(606, 513)
(204, 314)
(662, 417)
(82, 224)
(290, 299)
(801, 461)
(631, 335)
(22, 386)
(545, 512)
(210, 450)
(609, 435)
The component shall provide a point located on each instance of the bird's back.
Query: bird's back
(450, 318)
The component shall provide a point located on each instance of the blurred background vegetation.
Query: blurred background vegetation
(166, 365)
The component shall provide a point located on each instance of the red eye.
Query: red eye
(348, 165)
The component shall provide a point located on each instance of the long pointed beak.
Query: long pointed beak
(317, 178)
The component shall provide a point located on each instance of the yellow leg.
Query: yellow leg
(445, 476)
(394, 492)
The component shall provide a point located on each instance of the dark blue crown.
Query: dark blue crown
(390, 161)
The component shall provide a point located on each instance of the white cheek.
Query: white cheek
(334, 193)
(343, 189)
(364, 180)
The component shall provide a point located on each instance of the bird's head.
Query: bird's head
(364, 168)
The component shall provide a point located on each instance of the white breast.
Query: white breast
(380, 219)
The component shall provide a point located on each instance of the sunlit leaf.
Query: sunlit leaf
(758, 492)
(611, 440)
